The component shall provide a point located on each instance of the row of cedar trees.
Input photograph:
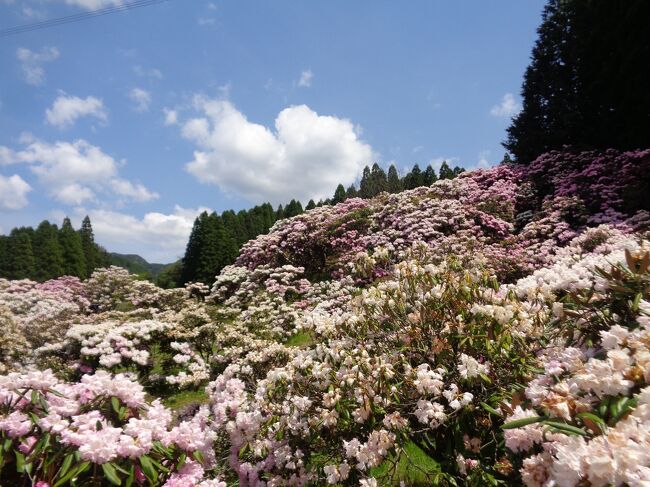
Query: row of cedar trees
(48, 252)
(216, 239)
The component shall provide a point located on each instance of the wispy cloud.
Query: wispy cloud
(141, 98)
(305, 78)
(32, 63)
(508, 107)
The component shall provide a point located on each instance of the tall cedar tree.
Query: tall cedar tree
(587, 83)
(394, 183)
(91, 251)
(48, 255)
(365, 186)
(74, 262)
(310, 205)
(351, 192)
(413, 179)
(379, 182)
(20, 261)
(429, 176)
(445, 171)
(339, 194)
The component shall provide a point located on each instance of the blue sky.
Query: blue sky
(144, 118)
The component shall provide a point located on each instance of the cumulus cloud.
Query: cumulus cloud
(158, 237)
(31, 63)
(508, 107)
(67, 109)
(305, 78)
(141, 98)
(13, 192)
(142, 72)
(94, 4)
(74, 172)
(171, 116)
(306, 156)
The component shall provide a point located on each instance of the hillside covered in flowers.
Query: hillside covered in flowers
(493, 329)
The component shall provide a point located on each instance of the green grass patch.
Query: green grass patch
(414, 467)
(302, 339)
(184, 398)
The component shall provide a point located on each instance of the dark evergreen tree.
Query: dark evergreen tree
(20, 261)
(587, 83)
(458, 171)
(365, 186)
(351, 192)
(190, 260)
(48, 255)
(445, 171)
(394, 185)
(293, 208)
(414, 178)
(429, 176)
(279, 214)
(74, 262)
(4, 256)
(310, 205)
(90, 249)
(339, 194)
(506, 159)
(379, 182)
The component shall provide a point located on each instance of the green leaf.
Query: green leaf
(111, 474)
(115, 402)
(147, 469)
(491, 410)
(181, 461)
(20, 462)
(518, 423)
(65, 466)
(77, 470)
(566, 428)
(198, 456)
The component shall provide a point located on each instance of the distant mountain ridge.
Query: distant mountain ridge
(136, 264)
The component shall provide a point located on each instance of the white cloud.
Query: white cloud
(32, 63)
(203, 21)
(147, 73)
(13, 192)
(171, 116)
(73, 172)
(94, 4)
(508, 107)
(141, 98)
(305, 78)
(305, 157)
(436, 162)
(67, 109)
(136, 192)
(158, 237)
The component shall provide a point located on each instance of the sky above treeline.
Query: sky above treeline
(144, 118)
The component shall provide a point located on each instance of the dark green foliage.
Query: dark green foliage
(587, 83)
(310, 205)
(170, 276)
(379, 182)
(351, 192)
(20, 255)
(445, 171)
(74, 263)
(339, 194)
(365, 186)
(137, 265)
(92, 253)
(293, 208)
(413, 179)
(394, 183)
(429, 176)
(48, 255)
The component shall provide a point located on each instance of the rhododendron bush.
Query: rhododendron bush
(493, 329)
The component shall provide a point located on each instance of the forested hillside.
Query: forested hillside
(467, 328)
(48, 252)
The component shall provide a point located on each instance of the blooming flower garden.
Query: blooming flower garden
(493, 329)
